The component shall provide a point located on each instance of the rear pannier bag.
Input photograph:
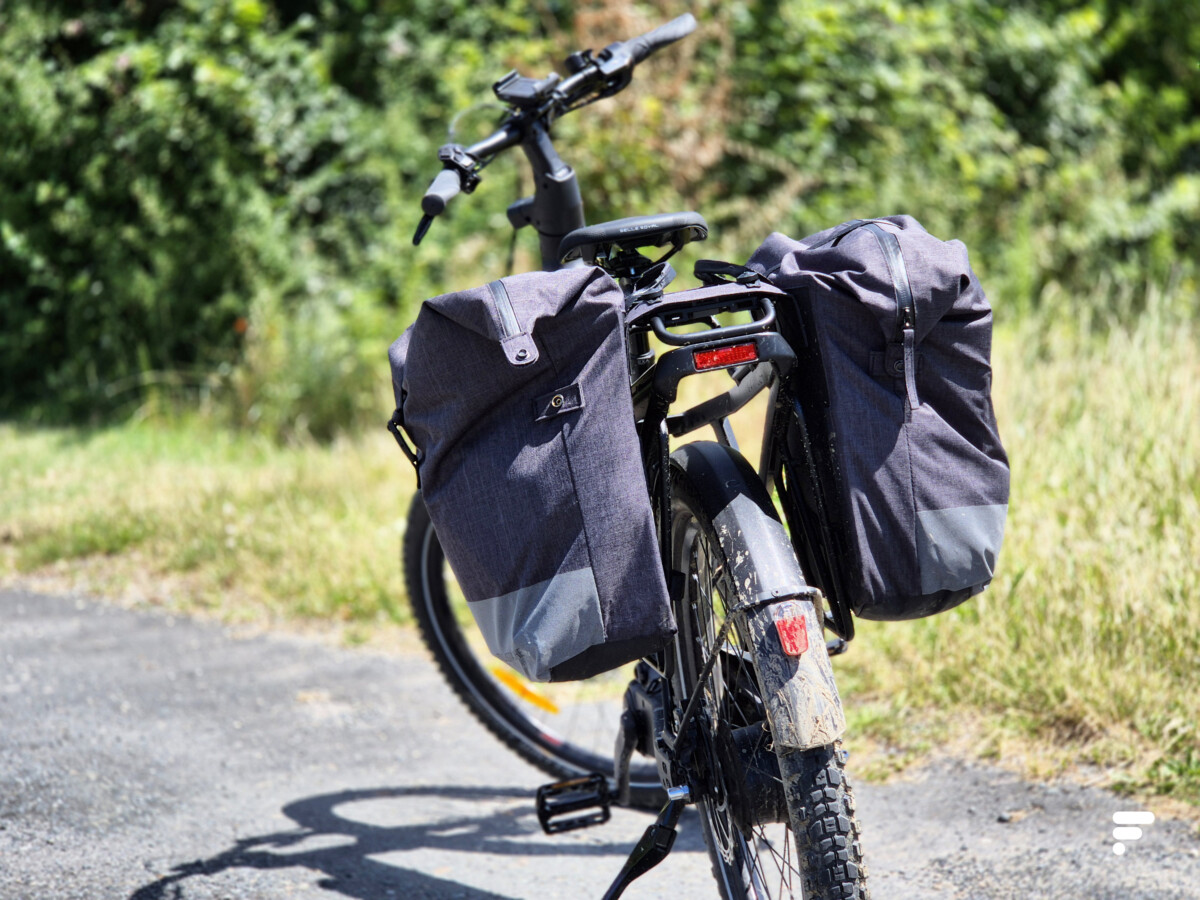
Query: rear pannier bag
(905, 468)
(516, 397)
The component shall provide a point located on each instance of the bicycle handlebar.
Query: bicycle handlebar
(445, 188)
(652, 41)
(541, 102)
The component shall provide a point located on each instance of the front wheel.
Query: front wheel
(777, 822)
(567, 730)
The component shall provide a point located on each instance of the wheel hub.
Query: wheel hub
(751, 770)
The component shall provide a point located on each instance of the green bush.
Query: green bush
(177, 174)
(1054, 139)
(162, 169)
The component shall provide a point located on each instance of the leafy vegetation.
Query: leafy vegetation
(212, 200)
(1022, 128)
(164, 171)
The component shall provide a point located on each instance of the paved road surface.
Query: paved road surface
(144, 756)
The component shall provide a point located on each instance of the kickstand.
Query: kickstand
(652, 849)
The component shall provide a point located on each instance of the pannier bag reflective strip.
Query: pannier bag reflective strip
(892, 333)
(516, 397)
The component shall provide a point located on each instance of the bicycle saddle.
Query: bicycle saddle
(596, 244)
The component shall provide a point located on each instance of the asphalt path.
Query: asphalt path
(146, 756)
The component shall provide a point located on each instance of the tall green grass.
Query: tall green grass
(1088, 641)
(193, 517)
(1085, 649)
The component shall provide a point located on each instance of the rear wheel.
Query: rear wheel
(777, 823)
(566, 730)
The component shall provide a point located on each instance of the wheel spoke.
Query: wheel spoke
(780, 860)
(729, 696)
(746, 774)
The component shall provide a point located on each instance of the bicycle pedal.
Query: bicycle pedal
(578, 803)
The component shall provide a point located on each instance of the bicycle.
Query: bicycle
(734, 715)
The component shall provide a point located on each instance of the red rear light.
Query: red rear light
(725, 356)
(792, 627)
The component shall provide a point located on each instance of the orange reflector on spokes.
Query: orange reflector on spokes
(725, 356)
(513, 682)
(792, 627)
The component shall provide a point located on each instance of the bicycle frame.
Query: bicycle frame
(666, 714)
(555, 210)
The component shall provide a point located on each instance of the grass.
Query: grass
(1087, 646)
(199, 519)
(1085, 650)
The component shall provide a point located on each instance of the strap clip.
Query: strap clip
(714, 271)
(395, 423)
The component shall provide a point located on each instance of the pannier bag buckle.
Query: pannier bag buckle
(393, 425)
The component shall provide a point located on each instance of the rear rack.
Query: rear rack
(762, 307)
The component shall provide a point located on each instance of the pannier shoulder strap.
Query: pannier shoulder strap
(906, 308)
(836, 238)
(832, 239)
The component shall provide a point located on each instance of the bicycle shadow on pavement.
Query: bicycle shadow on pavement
(351, 867)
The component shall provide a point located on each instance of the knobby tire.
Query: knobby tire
(816, 853)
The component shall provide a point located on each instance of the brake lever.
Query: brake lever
(615, 63)
(611, 69)
(422, 229)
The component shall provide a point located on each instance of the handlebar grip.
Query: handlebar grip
(641, 47)
(443, 189)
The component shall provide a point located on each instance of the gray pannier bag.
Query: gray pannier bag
(895, 431)
(516, 397)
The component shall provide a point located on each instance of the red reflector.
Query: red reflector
(792, 627)
(725, 356)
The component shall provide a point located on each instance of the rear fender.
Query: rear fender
(801, 698)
